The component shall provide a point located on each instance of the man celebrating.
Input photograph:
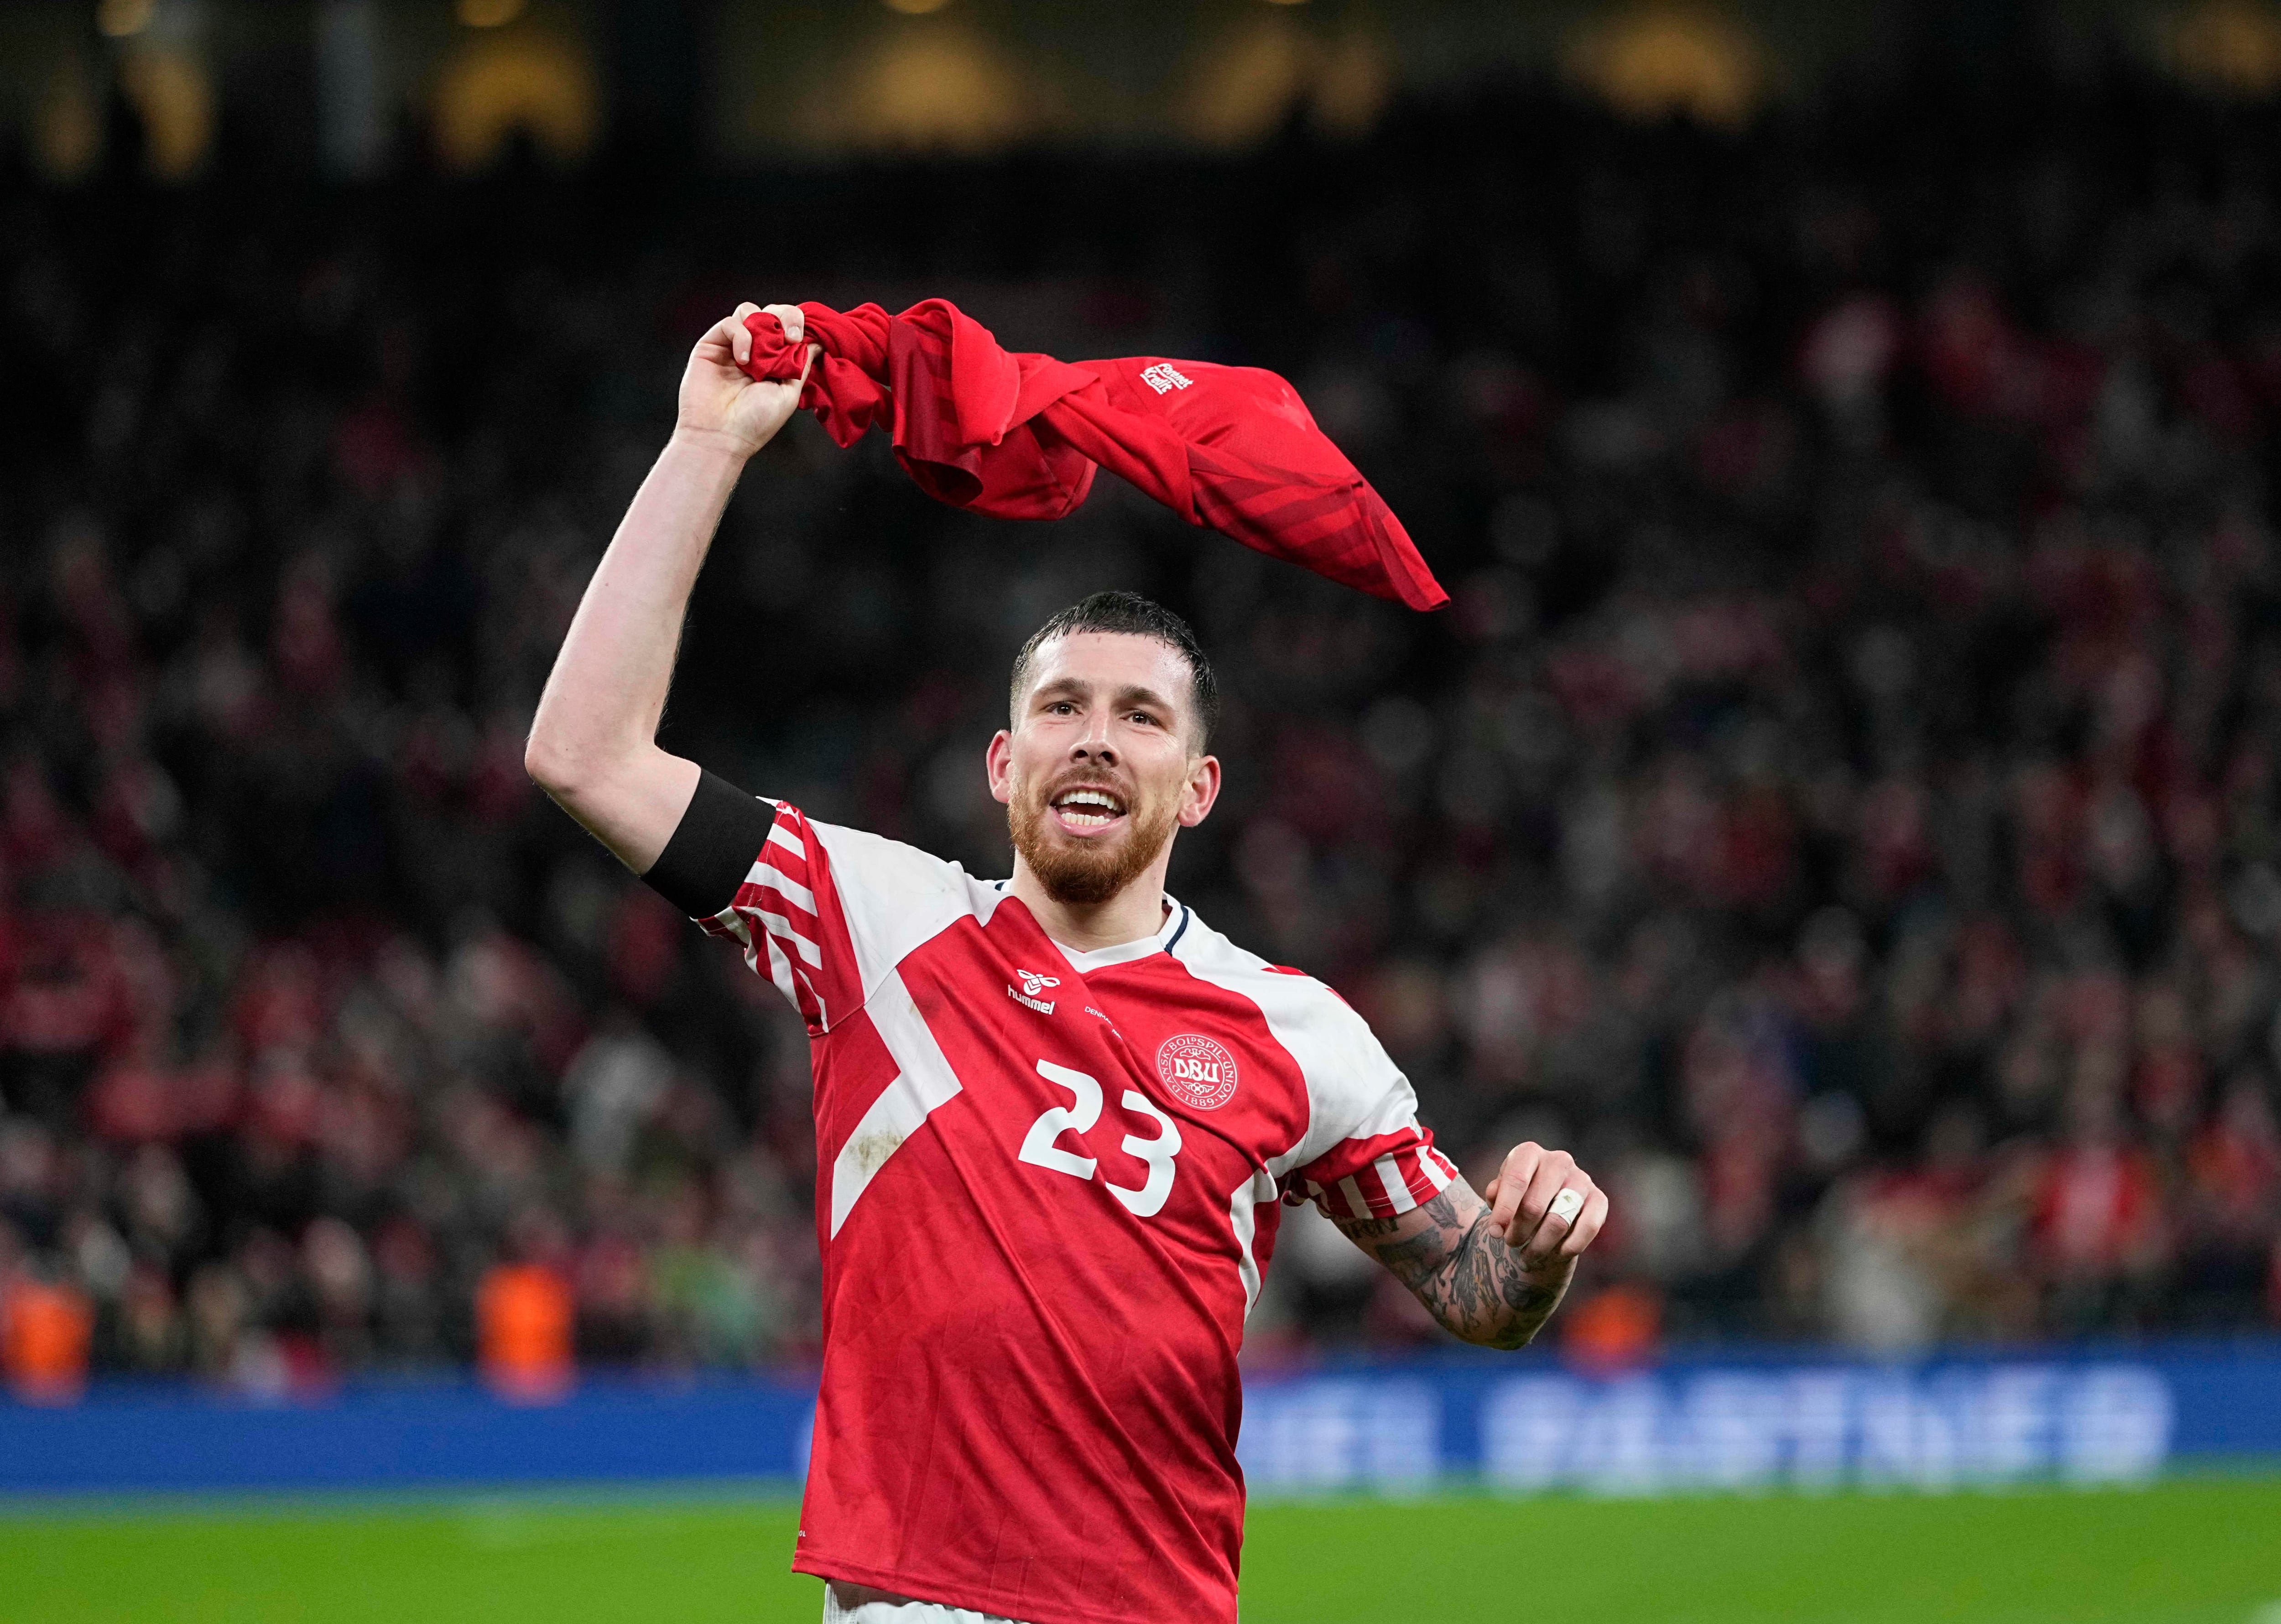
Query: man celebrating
(1056, 1114)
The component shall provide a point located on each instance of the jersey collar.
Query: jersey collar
(1175, 920)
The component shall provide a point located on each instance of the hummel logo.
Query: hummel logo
(1041, 1005)
(1163, 377)
(1033, 983)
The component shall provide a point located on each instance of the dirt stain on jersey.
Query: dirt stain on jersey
(872, 1150)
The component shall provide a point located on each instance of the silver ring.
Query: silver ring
(1567, 1204)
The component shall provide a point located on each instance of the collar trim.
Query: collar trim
(1176, 920)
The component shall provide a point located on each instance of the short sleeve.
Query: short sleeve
(824, 914)
(1363, 1153)
(1376, 1159)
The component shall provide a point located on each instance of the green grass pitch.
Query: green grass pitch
(2190, 1551)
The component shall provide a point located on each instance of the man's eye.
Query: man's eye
(1144, 718)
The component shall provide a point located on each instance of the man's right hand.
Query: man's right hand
(719, 402)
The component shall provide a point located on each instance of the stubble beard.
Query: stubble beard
(1080, 873)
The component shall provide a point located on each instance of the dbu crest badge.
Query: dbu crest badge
(1198, 1071)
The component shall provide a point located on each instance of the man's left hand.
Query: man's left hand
(1548, 1233)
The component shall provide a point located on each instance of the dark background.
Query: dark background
(1840, 805)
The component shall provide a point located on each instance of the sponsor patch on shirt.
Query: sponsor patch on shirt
(1197, 1071)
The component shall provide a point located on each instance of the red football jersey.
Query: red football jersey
(1048, 1184)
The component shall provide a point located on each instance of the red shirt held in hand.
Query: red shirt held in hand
(1020, 436)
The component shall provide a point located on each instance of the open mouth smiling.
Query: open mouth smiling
(1089, 810)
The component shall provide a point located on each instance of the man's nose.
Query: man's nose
(1094, 744)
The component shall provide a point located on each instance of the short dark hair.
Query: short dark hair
(1136, 616)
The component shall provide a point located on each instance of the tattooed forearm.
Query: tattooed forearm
(1450, 1254)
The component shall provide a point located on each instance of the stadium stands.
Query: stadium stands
(1841, 804)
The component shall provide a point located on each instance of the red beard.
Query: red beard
(1085, 873)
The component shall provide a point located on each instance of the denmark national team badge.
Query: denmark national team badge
(1196, 1072)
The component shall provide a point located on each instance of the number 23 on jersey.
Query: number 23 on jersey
(1042, 1145)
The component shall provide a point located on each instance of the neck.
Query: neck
(1133, 913)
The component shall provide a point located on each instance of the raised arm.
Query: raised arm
(593, 744)
(1489, 1273)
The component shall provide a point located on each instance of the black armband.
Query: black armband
(713, 848)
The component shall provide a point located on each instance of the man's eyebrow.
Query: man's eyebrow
(1137, 695)
(1059, 687)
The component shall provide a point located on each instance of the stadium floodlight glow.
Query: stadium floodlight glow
(916, 8)
(119, 19)
(489, 13)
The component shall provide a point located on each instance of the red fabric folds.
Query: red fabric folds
(1020, 436)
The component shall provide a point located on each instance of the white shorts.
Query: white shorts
(855, 1604)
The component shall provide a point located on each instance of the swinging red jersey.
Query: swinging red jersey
(1048, 1185)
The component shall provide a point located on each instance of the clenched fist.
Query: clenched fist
(1547, 1208)
(719, 401)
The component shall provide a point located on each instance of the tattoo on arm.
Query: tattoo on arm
(1450, 1254)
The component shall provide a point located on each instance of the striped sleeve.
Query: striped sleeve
(786, 916)
(1379, 1175)
(824, 914)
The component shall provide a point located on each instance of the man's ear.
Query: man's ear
(998, 763)
(1203, 790)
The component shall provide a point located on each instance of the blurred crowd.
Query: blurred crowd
(1840, 805)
